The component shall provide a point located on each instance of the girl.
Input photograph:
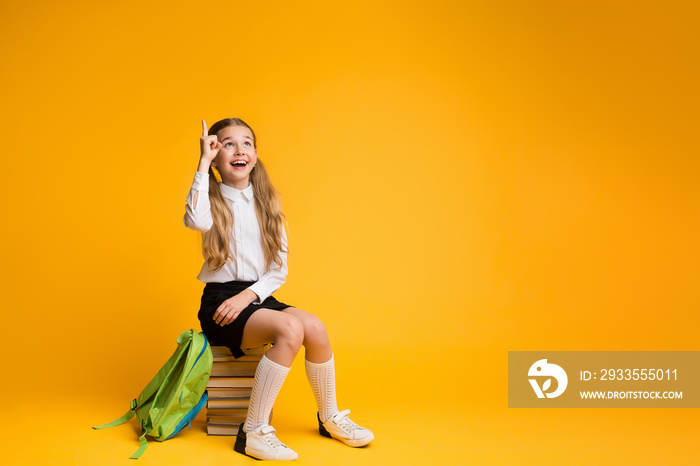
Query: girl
(245, 249)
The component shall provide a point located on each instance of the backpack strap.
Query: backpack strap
(142, 448)
(129, 414)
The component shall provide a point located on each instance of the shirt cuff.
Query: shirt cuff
(201, 182)
(260, 290)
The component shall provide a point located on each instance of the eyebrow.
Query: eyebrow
(232, 138)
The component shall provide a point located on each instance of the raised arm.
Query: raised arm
(197, 207)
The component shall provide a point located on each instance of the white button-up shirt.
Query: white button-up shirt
(248, 262)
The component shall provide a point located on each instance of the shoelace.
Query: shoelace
(273, 441)
(345, 422)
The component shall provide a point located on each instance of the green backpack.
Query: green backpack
(175, 395)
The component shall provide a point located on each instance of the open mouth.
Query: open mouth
(239, 164)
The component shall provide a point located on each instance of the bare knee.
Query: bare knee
(315, 332)
(290, 332)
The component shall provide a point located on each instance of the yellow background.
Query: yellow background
(461, 179)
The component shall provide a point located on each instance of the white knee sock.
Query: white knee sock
(269, 377)
(322, 380)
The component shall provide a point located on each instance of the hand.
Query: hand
(209, 145)
(229, 309)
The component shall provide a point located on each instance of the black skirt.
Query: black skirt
(229, 335)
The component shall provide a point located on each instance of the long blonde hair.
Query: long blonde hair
(215, 241)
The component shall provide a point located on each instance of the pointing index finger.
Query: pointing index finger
(205, 132)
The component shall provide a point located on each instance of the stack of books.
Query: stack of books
(229, 388)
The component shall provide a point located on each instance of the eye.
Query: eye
(247, 142)
(227, 144)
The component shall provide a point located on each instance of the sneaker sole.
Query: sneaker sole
(263, 457)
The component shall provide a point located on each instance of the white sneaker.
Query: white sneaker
(262, 444)
(339, 426)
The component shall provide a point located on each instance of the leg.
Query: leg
(316, 343)
(320, 371)
(256, 438)
(320, 367)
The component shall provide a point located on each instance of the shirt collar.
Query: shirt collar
(233, 193)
